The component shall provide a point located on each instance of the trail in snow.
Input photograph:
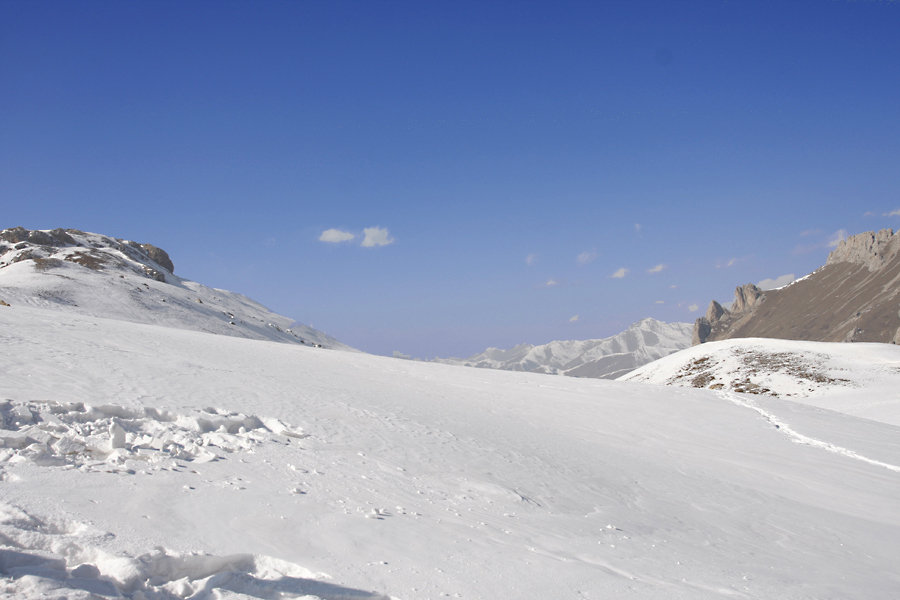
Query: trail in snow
(801, 438)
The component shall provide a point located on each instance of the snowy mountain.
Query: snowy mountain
(148, 462)
(853, 298)
(858, 379)
(91, 274)
(607, 358)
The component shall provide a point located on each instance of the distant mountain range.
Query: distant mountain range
(855, 297)
(606, 358)
(97, 275)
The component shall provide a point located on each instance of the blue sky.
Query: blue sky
(517, 155)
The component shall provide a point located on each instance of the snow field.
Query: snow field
(421, 480)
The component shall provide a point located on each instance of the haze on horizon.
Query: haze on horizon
(439, 178)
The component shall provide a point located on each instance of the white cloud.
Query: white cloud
(530, 259)
(551, 283)
(573, 318)
(620, 273)
(837, 237)
(693, 308)
(657, 269)
(673, 287)
(376, 236)
(660, 302)
(638, 227)
(335, 236)
(868, 213)
(771, 284)
(727, 263)
(588, 256)
(893, 213)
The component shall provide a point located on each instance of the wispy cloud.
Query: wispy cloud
(693, 307)
(780, 281)
(660, 302)
(837, 237)
(869, 213)
(893, 213)
(551, 283)
(573, 319)
(621, 273)
(588, 256)
(530, 259)
(376, 236)
(638, 227)
(336, 236)
(657, 269)
(724, 264)
(809, 232)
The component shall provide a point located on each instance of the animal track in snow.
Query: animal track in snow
(118, 438)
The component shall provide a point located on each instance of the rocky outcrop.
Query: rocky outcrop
(38, 245)
(871, 249)
(159, 256)
(855, 297)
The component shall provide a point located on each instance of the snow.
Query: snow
(121, 283)
(608, 358)
(143, 461)
(860, 379)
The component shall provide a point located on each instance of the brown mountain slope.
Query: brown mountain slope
(855, 297)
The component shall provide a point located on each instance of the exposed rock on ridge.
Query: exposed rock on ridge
(855, 297)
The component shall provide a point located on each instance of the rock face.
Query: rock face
(855, 297)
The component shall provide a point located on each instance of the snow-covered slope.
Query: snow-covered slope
(152, 462)
(607, 358)
(860, 379)
(88, 273)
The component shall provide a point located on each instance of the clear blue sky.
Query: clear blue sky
(495, 142)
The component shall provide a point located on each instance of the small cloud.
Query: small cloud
(673, 287)
(809, 232)
(657, 269)
(726, 263)
(573, 318)
(376, 236)
(660, 302)
(398, 354)
(586, 257)
(837, 237)
(638, 227)
(868, 213)
(693, 308)
(621, 273)
(335, 236)
(771, 284)
(551, 283)
(530, 259)
(893, 213)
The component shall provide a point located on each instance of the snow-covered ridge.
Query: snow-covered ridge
(88, 273)
(826, 374)
(606, 358)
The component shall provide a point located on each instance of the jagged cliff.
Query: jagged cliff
(855, 297)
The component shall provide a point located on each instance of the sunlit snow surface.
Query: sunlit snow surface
(150, 462)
